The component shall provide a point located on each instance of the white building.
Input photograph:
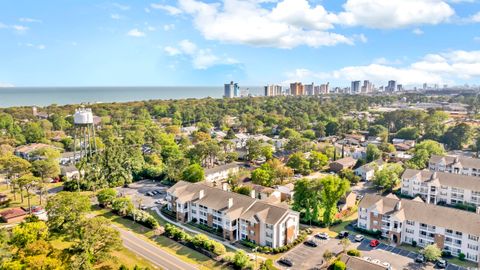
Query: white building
(441, 187)
(239, 217)
(220, 173)
(406, 221)
(455, 164)
(367, 171)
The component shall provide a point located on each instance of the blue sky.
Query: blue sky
(254, 42)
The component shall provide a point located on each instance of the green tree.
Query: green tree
(254, 149)
(106, 196)
(45, 168)
(307, 198)
(241, 260)
(422, 153)
(123, 206)
(27, 182)
(432, 252)
(27, 233)
(373, 153)
(193, 173)
(317, 160)
(408, 133)
(333, 189)
(34, 132)
(262, 177)
(14, 167)
(388, 177)
(457, 136)
(299, 163)
(66, 210)
(378, 131)
(245, 190)
(350, 175)
(339, 265)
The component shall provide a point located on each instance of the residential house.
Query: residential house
(70, 171)
(347, 201)
(441, 187)
(455, 164)
(13, 215)
(367, 171)
(220, 173)
(408, 221)
(357, 263)
(344, 163)
(286, 191)
(403, 145)
(28, 151)
(239, 217)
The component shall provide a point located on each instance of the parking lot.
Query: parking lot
(138, 192)
(305, 257)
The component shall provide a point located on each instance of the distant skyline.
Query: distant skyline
(252, 42)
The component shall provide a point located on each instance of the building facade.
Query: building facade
(231, 90)
(455, 164)
(273, 90)
(237, 216)
(441, 187)
(407, 221)
(355, 87)
(297, 89)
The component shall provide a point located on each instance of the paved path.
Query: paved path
(152, 252)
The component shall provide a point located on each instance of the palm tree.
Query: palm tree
(28, 181)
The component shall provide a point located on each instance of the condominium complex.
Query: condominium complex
(297, 89)
(309, 89)
(231, 90)
(237, 216)
(441, 187)
(406, 221)
(392, 86)
(273, 90)
(455, 164)
(355, 88)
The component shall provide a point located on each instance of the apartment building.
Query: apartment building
(238, 216)
(297, 89)
(405, 221)
(441, 187)
(455, 164)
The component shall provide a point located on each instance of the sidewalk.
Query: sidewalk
(195, 231)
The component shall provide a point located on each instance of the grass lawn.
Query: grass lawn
(453, 260)
(34, 198)
(184, 253)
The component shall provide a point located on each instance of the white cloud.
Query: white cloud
(417, 31)
(200, 58)
(289, 24)
(151, 28)
(444, 67)
(115, 16)
(121, 6)
(170, 9)
(4, 84)
(20, 28)
(168, 27)
(29, 20)
(394, 13)
(135, 33)
(34, 46)
(476, 17)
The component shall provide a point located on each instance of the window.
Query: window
(472, 237)
(409, 231)
(194, 212)
(410, 222)
(268, 244)
(473, 247)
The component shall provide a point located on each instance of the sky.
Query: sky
(252, 42)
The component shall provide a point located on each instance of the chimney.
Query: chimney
(225, 186)
(433, 176)
(398, 205)
(201, 194)
(230, 202)
(252, 193)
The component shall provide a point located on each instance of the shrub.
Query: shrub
(339, 265)
(354, 252)
(144, 218)
(414, 243)
(199, 240)
(446, 254)
(106, 196)
(461, 256)
(268, 265)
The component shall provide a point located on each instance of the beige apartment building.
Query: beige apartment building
(455, 164)
(441, 187)
(405, 221)
(239, 217)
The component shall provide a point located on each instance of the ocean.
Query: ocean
(44, 96)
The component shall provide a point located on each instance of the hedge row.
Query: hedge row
(263, 249)
(199, 240)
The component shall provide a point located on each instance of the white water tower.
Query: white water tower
(84, 133)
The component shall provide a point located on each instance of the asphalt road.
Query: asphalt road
(152, 252)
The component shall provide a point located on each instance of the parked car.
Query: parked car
(374, 243)
(154, 192)
(441, 263)
(143, 207)
(420, 258)
(366, 258)
(376, 261)
(322, 236)
(386, 264)
(343, 234)
(359, 238)
(286, 262)
(149, 194)
(310, 243)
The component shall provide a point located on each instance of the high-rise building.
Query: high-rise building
(297, 89)
(367, 86)
(355, 87)
(231, 90)
(309, 89)
(273, 90)
(399, 88)
(392, 86)
(425, 85)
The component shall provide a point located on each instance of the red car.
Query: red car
(374, 243)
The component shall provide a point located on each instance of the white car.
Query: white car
(376, 261)
(359, 238)
(366, 258)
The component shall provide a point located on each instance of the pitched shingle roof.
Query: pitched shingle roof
(431, 214)
(460, 161)
(444, 179)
